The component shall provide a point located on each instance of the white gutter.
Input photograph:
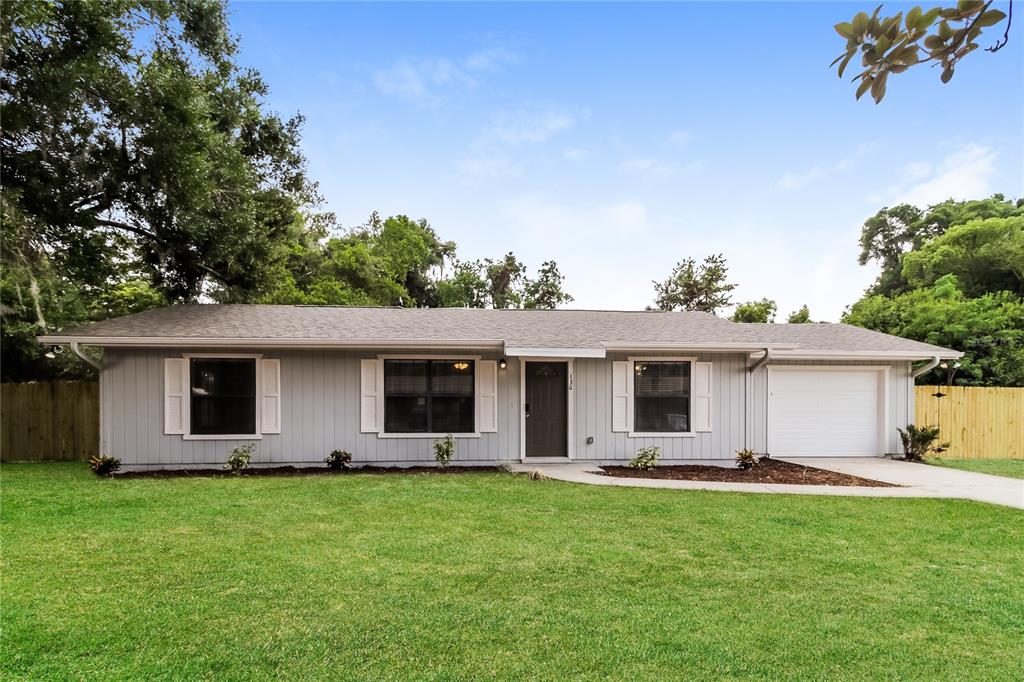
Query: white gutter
(911, 355)
(706, 346)
(927, 367)
(78, 351)
(524, 352)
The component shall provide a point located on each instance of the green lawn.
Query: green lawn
(1014, 468)
(492, 575)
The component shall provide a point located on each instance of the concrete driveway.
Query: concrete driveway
(925, 478)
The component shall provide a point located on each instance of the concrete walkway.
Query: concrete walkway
(920, 480)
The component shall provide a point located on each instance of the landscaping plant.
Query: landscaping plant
(444, 450)
(240, 458)
(746, 459)
(646, 458)
(104, 465)
(339, 459)
(918, 441)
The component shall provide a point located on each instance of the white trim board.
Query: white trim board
(570, 414)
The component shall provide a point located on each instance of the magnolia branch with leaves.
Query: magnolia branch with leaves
(893, 44)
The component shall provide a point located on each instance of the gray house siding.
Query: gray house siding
(320, 412)
(594, 413)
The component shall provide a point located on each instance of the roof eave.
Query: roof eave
(908, 355)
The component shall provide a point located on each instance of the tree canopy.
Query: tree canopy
(952, 275)
(696, 287)
(755, 311)
(801, 316)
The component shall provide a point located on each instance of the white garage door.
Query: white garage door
(824, 413)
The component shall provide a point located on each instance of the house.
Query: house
(183, 385)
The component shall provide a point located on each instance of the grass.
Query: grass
(1014, 468)
(495, 576)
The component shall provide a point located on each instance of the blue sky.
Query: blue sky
(619, 139)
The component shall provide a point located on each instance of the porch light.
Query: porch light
(503, 363)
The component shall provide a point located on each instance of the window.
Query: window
(429, 396)
(661, 396)
(223, 396)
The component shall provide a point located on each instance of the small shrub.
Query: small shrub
(444, 450)
(746, 459)
(537, 475)
(506, 468)
(339, 459)
(240, 458)
(646, 458)
(918, 441)
(104, 465)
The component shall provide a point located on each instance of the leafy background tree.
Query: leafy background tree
(801, 316)
(690, 286)
(952, 275)
(755, 311)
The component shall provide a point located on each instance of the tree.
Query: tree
(134, 150)
(893, 44)
(755, 311)
(986, 256)
(890, 234)
(545, 292)
(802, 316)
(505, 277)
(695, 287)
(989, 329)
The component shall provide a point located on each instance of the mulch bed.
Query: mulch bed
(766, 471)
(302, 471)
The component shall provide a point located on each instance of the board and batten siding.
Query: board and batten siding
(593, 402)
(319, 413)
(900, 398)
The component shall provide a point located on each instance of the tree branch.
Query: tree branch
(1000, 44)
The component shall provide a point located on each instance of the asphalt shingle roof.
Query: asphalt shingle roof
(588, 329)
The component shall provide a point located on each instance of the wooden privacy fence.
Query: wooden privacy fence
(55, 420)
(977, 421)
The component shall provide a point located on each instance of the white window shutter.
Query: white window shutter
(368, 391)
(270, 396)
(702, 396)
(487, 395)
(620, 396)
(176, 391)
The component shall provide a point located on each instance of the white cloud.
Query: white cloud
(680, 138)
(420, 80)
(796, 181)
(528, 126)
(964, 174)
(648, 167)
(488, 167)
(491, 59)
(577, 154)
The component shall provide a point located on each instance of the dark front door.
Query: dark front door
(546, 415)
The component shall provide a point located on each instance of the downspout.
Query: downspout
(927, 367)
(78, 351)
(750, 372)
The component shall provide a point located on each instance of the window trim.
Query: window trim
(631, 407)
(256, 357)
(476, 396)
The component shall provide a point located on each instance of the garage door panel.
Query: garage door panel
(824, 412)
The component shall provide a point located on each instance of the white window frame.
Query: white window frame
(380, 396)
(188, 435)
(631, 402)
